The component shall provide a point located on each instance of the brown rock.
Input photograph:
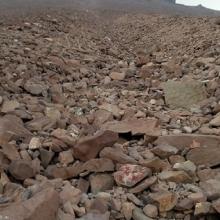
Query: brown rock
(41, 124)
(164, 151)
(127, 209)
(184, 204)
(216, 205)
(175, 176)
(186, 141)
(12, 131)
(101, 182)
(96, 216)
(156, 164)
(204, 149)
(202, 208)
(102, 116)
(66, 157)
(117, 76)
(22, 169)
(211, 188)
(53, 171)
(147, 126)
(197, 197)
(83, 185)
(176, 159)
(64, 136)
(117, 156)
(64, 216)
(129, 175)
(46, 157)
(150, 211)
(114, 109)
(70, 194)
(9, 106)
(90, 147)
(143, 185)
(35, 87)
(99, 165)
(43, 205)
(165, 200)
(206, 174)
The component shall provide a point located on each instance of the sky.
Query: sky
(214, 4)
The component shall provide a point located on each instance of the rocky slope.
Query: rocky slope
(108, 115)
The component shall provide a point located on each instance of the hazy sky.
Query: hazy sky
(215, 4)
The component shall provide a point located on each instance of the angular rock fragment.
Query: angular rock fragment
(166, 201)
(211, 188)
(9, 106)
(43, 205)
(156, 164)
(101, 182)
(150, 211)
(89, 148)
(147, 126)
(143, 185)
(117, 156)
(206, 151)
(186, 166)
(129, 175)
(64, 173)
(202, 208)
(183, 94)
(139, 215)
(164, 151)
(22, 169)
(175, 176)
(99, 165)
(96, 216)
(12, 131)
(117, 75)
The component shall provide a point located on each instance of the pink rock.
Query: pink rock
(129, 175)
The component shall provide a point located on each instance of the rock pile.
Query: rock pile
(93, 128)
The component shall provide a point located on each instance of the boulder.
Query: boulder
(183, 94)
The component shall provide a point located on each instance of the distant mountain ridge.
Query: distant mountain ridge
(146, 6)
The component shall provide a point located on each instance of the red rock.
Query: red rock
(43, 205)
(129, 175)
(89, 148)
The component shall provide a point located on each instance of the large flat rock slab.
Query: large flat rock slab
(202, 149)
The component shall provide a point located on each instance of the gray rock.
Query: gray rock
(183, 94)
